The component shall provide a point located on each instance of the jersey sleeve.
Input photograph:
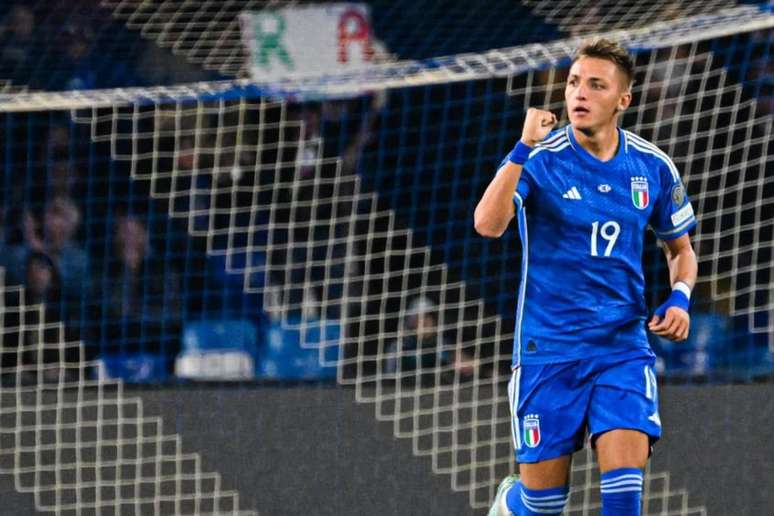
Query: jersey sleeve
(673, 213)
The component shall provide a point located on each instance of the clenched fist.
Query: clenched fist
(537, 125)
(673, 326)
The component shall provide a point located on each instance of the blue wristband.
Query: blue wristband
(676, 298)
(520, 153)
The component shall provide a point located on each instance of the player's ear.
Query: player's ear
(624, 100)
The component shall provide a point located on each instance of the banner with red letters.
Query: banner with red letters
(307, 40)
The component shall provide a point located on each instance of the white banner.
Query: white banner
(302, 41)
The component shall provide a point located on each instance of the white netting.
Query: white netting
(207, 33)
(81, 446)
(589, 17)
(359, 265)
(441, 70)
(298, 222)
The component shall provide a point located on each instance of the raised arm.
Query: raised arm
(671, 319)
(495, 209)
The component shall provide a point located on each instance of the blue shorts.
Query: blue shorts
(553, 405)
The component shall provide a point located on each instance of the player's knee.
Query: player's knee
(622, 449)
(545, 474)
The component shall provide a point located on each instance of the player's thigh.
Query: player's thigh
(625, 397)
(546, 474)
(548, 411)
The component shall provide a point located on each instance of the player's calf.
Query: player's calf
(621, 492)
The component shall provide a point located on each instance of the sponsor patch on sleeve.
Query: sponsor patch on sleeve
(678, 194)
(681, 215)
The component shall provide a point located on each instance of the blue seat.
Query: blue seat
(218, 350)
(292, 351)
(220, 335)
(715, 349)
(133, 367)
(700, 354)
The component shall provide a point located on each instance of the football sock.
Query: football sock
(538, 502)
(621, 492)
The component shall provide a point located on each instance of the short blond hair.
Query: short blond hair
(602, 48)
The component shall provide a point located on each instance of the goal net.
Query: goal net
(341, 207)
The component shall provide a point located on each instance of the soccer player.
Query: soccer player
(584, 195)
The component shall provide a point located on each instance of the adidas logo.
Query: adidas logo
(572, 193)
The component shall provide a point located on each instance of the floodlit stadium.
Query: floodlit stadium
(240, 274)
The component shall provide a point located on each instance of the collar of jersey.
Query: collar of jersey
(593, 160)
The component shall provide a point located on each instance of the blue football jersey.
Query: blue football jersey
(582, 225)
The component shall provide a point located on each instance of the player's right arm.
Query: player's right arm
(495, 209)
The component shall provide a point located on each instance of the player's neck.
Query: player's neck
(600, 143)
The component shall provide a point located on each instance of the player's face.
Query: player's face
(596, 92)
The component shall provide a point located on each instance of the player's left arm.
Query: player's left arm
(671, 319)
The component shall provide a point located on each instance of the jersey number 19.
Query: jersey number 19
(609, 231)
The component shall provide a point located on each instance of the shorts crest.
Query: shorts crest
(532, 430)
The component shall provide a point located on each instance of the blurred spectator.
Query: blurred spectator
(309, 150)
(62, 179)
(43, 285)
(3, 246)
(77, 70)
(17, 43)
(141, 294)
(156, 65)
(33, 338)
(61, 219)
(761, 71)
(422, 348)
(58, 178)
(309, 259)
